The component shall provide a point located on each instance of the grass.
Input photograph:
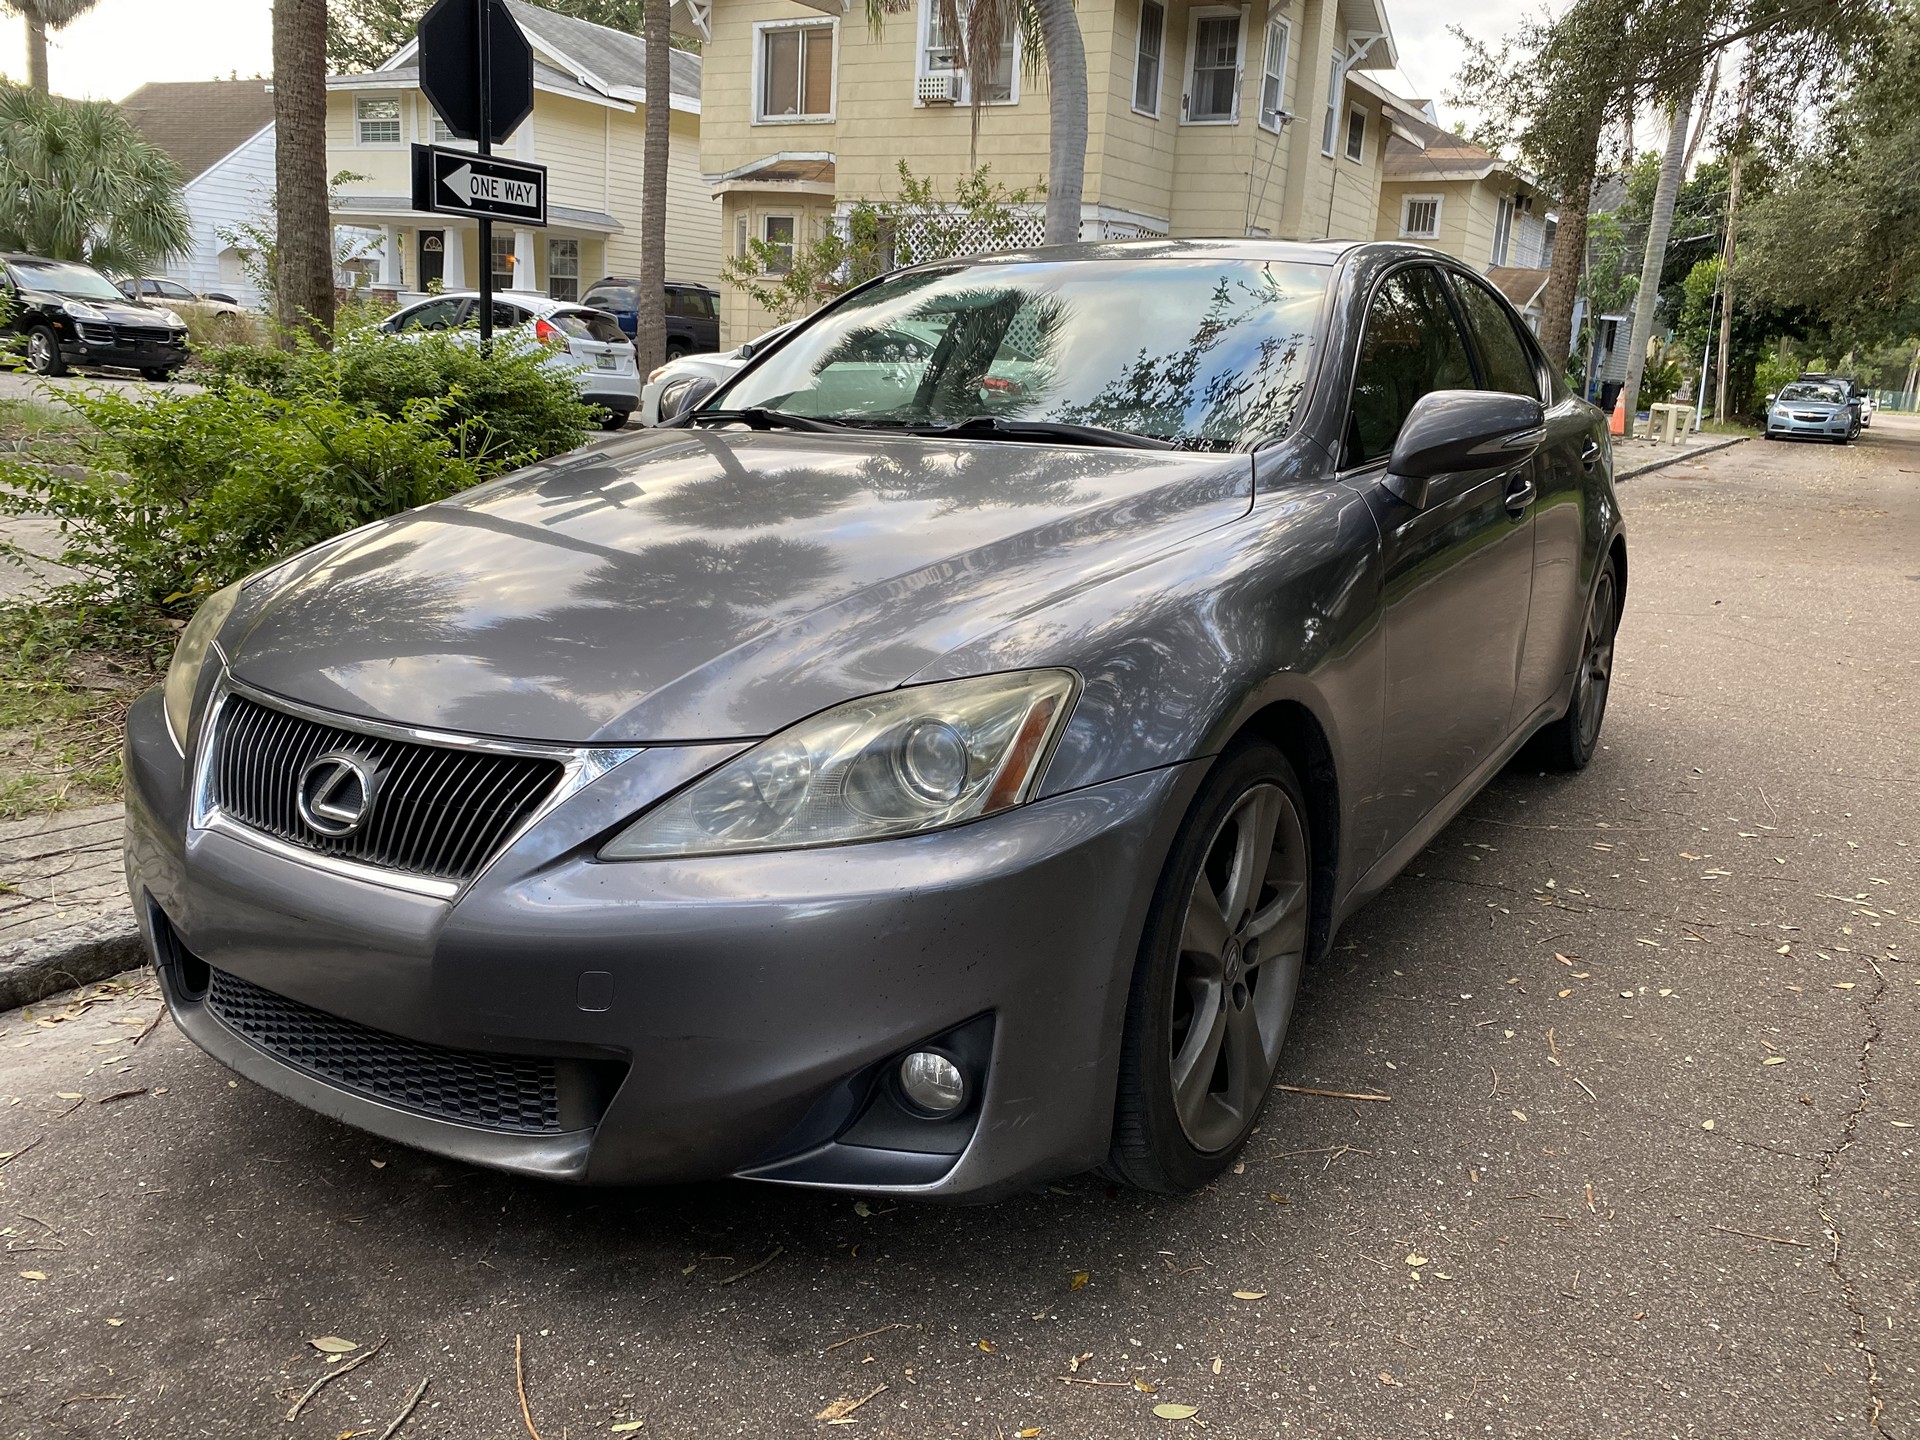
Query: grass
(39, 422)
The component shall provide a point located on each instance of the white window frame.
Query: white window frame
(1330, 123)
(1347, 139)
(1503, 218)
(1159, 60)
(554, 273)
(760, 30)
(1281, 30)
(793, 238)
(1214, 12)
(398, 120)
(1407, 203)
(921, 69)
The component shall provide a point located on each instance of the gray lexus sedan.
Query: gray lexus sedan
(926, 767)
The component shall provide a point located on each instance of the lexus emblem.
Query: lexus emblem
(336, 793)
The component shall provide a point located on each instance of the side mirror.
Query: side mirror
(1454, 430)
(684, 398)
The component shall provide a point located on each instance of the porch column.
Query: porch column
(453, 266)
(1318, 36)
(525, 276)
(389, 258)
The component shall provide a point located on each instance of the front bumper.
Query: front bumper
(745, 1004)
(1822, 428)
(91, 343)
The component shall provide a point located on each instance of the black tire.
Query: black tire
(615, 419)
(675, 352)
(157, 373)
(1571, 741)
(1154, 1147)
(43, 352)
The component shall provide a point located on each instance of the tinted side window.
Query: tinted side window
(1411, 345)
(613, 297)
(1508, 363)
(434, 315)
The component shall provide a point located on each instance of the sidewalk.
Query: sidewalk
(1640, 456)
(64, 917)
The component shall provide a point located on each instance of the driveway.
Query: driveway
(1649, 1034)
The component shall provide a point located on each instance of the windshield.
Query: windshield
(1826, 394)
(1209, 354)
(63, 278)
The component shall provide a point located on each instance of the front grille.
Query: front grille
(144, 335)
(95, 334)
(499, 1092)
(437, 811)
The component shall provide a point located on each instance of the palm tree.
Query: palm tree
(979, 29)
(78, 182)
(303, 256)
(1659, 227)
(650, 338)
(42, 16)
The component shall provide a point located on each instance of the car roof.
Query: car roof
(670, 284)
(1315, 252)
(526, 299)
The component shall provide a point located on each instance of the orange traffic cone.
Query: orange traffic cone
(1617, 422)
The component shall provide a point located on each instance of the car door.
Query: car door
(1456, 573)
(1556, 612)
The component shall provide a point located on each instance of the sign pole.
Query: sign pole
(481, 29)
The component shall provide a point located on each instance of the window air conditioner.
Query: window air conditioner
(940, 89)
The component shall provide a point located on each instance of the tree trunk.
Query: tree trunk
(1563, 280)
(36, 52)
(1726, 288)
(1066, 118)
(650, 340)
(1659, 227)
(303, 247)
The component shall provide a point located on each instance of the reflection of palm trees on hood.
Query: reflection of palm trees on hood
(970, 480)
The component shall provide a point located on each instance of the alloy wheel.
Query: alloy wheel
(1596, 661)
(39, 353)
(1241, 945)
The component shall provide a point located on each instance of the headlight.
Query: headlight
(183, 675)
(895, 764)
(81, 310)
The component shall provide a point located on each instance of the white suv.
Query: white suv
(596, 349)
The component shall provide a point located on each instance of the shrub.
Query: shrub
(178, 495)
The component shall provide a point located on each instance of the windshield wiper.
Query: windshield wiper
(758, 417)
(1003, 427)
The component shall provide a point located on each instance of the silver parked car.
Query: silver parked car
(671, 386)
(1814, 409)
(923, 773)
(587, 342)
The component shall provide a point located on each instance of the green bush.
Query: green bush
(177, 495)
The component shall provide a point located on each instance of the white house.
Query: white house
(220, 133)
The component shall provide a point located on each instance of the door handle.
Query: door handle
(1520, 493)
(1590, 455)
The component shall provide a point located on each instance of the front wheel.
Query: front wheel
(1570, 742)
(1213, 989)
(157, 373)
(43, 352)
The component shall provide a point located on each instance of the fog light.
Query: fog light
(932, 1082)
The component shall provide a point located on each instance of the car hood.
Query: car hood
(692, 584)
(120, 312)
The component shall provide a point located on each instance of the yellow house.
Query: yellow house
(589, 112)
(1203, 119)
(1443, 190)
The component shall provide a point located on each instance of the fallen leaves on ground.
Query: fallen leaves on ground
(1249, 1294)
(334, 1345)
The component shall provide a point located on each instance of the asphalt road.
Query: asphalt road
(1650, 1037)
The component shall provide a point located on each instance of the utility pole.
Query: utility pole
(1727, 249)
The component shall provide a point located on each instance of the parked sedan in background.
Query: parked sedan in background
(186, 303)
(71, 314)
(1815, 409)
(880, 781)
(585, 341)
(670, 386)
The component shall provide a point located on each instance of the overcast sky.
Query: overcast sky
(121, 44)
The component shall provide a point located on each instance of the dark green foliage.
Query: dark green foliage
(181, 494)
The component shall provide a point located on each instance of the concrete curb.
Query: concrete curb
(76, 954)
(1674, 459)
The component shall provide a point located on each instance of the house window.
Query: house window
(1329, 131)
(1213, 78)
(1420, 217)
(740, 230)
(563, 269)
(378, 119)
(1146, 57)
(1356, 134)
(502, 262)
(1502, 230)
(1273, 75)
(778, 232)
(796, 72)
(942, 54)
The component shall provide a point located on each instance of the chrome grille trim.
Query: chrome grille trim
(579, 766)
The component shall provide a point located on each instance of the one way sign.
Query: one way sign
(459, 182)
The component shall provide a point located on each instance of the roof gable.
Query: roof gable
(200, 122)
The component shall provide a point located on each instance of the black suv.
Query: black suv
(693, 312)
(71, 314)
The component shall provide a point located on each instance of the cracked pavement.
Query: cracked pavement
(1650, 1035)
